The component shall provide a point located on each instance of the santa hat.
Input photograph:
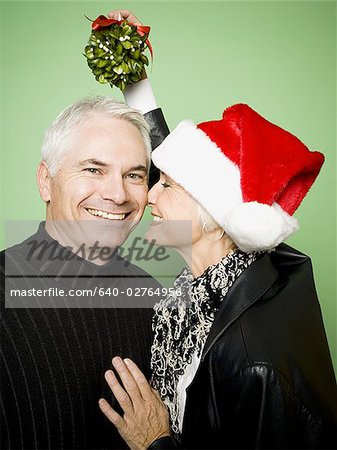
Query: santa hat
(249, 174)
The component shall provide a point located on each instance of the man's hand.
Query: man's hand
(120, 14)
(145, 416)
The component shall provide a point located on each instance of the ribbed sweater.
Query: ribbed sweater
(53, 359)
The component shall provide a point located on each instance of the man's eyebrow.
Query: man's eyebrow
(95, 162)
(139, 167)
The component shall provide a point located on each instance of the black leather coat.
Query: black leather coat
(158, 132)
(265, 379)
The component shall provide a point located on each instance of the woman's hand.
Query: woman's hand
(120, 14)
(145, 416)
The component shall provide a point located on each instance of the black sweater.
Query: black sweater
(53, 359)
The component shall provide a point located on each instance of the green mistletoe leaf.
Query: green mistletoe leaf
(115, 54)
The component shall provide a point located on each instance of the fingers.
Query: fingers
(156, 393)
(121, 396)
(141, 381)
(126, 14)
(135, 388)
(145, 416)
(129, 382)
(111, 414)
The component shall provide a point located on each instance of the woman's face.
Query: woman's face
(175, 218)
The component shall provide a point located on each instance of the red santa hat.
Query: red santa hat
(249, 174)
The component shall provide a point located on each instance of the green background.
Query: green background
(279, 57)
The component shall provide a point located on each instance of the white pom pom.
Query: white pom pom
(256, 226)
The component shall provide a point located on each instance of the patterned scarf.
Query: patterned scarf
(182, 322)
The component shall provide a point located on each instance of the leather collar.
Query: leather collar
(247, 289)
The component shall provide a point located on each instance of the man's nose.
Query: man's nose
(115, 189)
(152, 194)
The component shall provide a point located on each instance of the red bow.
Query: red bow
(103, 22)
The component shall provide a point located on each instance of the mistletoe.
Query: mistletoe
(115, 51)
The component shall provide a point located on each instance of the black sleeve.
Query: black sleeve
(164, 443)
(158, 132)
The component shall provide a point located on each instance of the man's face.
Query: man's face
(102, 179)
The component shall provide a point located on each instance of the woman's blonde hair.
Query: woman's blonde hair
(206, 221)
(208, 224)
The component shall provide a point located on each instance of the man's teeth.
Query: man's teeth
(157, 219)
(105, 215)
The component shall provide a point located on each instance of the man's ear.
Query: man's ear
(43, 181)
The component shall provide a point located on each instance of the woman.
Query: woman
(240, 356)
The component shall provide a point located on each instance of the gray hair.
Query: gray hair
(63, 127)
(206, 221)
(209, 224)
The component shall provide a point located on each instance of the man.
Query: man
(93, 178)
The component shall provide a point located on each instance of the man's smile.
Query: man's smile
(107, 215)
